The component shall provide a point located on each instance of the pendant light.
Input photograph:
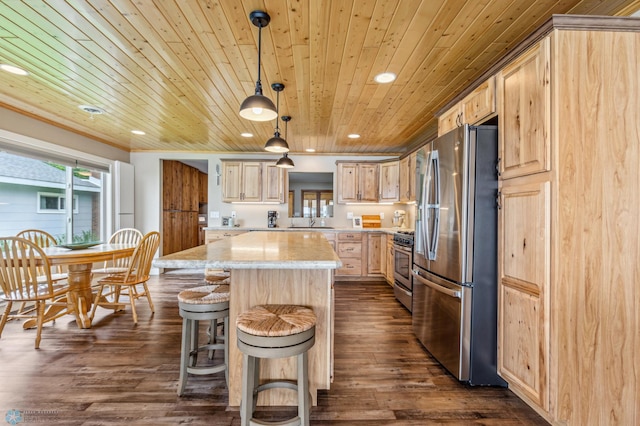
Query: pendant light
(258, 107)
(285, 162)
(276, 143)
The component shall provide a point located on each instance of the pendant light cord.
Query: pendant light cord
(258, 83)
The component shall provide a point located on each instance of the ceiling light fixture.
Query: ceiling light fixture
(246, 135)
(92, 110)
(285, 162)
(138, 132)
(13, 69)
(385, 77)
(258, 107)
(276, 143)
(353, 136)
(310, 150)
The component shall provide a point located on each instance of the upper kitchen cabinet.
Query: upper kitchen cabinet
(408, 178)
(203, 188)
(473, 109)
(253, 182)
(274, 183)
(389, 186)
(525, 113)
(357, 182)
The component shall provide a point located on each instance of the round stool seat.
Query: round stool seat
(204, 295)
(276, 320)
(217, 276)
(203, 303)
(275, 331)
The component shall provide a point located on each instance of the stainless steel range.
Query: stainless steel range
(403, 262)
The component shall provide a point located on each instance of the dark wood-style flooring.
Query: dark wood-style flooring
(120, 374)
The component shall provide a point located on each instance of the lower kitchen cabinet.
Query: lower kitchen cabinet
(350, 250)
(390, 260)
(376, 250)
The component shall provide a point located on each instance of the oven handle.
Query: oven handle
(402, 248)
(436, 287)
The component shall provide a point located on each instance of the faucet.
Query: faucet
(312, 221)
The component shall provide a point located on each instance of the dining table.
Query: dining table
(79, 262)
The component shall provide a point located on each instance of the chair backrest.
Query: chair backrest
(21, 263)
(142, 257)
(124, 236)
(39, 237)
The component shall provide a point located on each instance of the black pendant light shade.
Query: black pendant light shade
(285, 162)
(258, 107)
(276, 143)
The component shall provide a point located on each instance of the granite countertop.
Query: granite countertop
(258, 250)
(304, 229)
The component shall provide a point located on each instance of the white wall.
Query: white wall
(148, 196)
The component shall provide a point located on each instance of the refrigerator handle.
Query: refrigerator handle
(434, 204)
(424, 241)
(444, 290)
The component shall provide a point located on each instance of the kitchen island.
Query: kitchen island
(273, 267)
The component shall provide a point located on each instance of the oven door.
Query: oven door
(403, 282)
(402, 266)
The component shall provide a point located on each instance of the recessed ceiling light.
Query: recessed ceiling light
(353, 136)
(385, 77)
(13, 69)
(246, 135)
(138, 132)
(310, 150)
(91, 109)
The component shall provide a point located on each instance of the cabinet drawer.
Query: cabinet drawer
(350, 266)
(350, 236)
(349, 249)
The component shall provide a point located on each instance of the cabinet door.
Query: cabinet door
(390, 259)
(368, 182)
(231, 181)
(389, 182)
(480, 103)
(376, 250)
(273, 183)
(523, 288)
(450, 120)
(252, 181)
(203, 188)
(347, 182)
(525, 111)
(412, 176)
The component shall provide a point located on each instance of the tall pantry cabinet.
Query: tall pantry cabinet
(569, 248)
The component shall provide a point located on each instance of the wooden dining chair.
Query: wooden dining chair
(127, 283)
(21, 264)
(44, 239)
(120, 265)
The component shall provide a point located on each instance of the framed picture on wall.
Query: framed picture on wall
(357, 222)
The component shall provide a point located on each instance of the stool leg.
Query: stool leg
(193, 342)
(226, 349)
(248, 389)
(303, 389)
(184, 355)
(213, 336)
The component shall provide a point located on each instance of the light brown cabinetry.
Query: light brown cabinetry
(351, 252)
(390, 260)
(357, 182)
(274, 183)
(389, 182)
(568, 244)
(408, 178)
(473, 109)
(253, 182)
(375, 264)
(241, 181)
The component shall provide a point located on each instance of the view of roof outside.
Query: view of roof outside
(32, 196)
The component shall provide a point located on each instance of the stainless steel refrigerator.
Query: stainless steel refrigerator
(455, 253)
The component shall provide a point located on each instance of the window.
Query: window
(54, 203)
(317, 203)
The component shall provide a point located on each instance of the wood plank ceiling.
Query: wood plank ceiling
(179, 69)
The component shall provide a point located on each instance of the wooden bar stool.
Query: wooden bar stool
(275, 331)
(204, 303)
